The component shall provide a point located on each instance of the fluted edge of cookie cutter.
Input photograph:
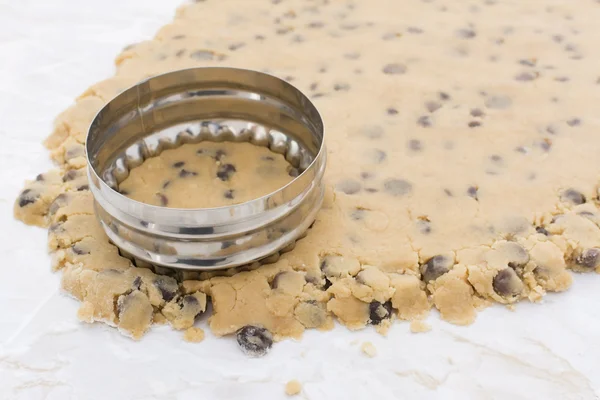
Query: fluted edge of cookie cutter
(192, 105)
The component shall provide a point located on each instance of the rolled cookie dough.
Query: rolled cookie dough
(207, 175)
(462, 165)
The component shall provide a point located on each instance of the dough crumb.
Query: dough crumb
(193, 335)
(369, 349)
(293, 387)
(418, 326)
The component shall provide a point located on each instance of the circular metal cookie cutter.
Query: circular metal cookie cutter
(206, 104)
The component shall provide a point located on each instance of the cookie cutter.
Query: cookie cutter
(189, 106)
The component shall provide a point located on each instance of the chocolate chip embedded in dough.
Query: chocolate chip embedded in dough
(40, 178)
(507, 283)
(476, 112)
(26, 197)
(391, 111)
(70, 175)
(229, 194)
(526, 76)
(572, 196)
(79, 250)
(444, 96)
(397, 187)
(466, 33)
(474, 124)
(472, 191)
(59, 201)
(378, 312)
(348, 186)
(178, 164)
(184, 173)
(574, 122)
(167, 286)
(341, 87)
(432, 106)
(394, 69)
(83, 187)
(166, 184)
(225, 171)
(293, 172)
(424, 121)
(254, 341)
(589, 258)
(435, 267)
(376, 155)
(163, 200)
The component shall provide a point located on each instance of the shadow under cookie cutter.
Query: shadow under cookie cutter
(206, 104)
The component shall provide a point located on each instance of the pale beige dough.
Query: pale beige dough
(462, 165)
(206, 174)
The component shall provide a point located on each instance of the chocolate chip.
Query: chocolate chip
(589, 258)
(79, 250)
(202, 55)
(424, 226)
(391, 111)
(327, 284)
(526, 76)
(432, 106)
(167, 286)
(474, 124)
(448, 192)
(166, 184)
(376, 155)
(466, 33)
(70, 175)
(572, 196)
(415, 145)
(542, 230)
(179, 164)
(528, 63)
(498, 102)
(366, 175)
(83, 187)
(39, 178)
(341, 87)
(507, 283)
(293, 172)
(394, 69)
(190, 300)
(184, 173)
(424, 121)
(137, 283)
(371, 190)
(397, 187)
(162, 199)
(435, 267)
(27, 197)
(546, 144)
(379, 312)
(358, 214)
(348, 186)
(254, 341)
(180, 53)
(228, 194)
(472, 191)
(496, 158)
(235, 46)
(476, 112)
(574, 122)
(316, 24)
(444, 96)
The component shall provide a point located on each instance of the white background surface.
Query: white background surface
(50, 52)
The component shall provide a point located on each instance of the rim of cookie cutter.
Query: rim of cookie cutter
(194, 105)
